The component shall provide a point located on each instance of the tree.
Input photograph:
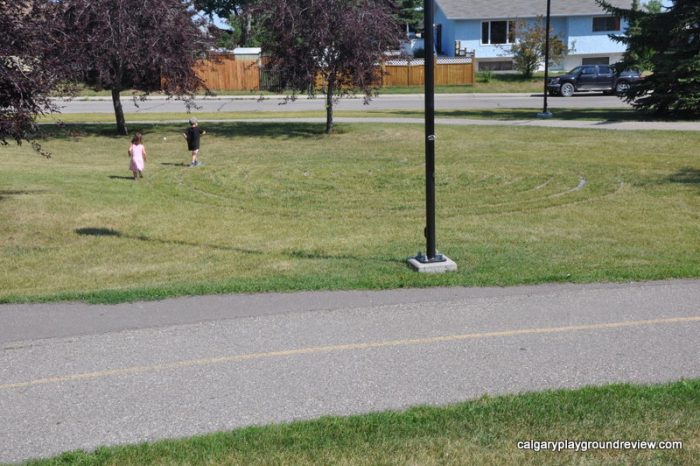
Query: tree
(29, 67)
(145, 45)
(653, 6)
(339, 42)
(672, 41)
(221, 8)
(238, 14)
(411, 14)
(642, 59)
(529, 47)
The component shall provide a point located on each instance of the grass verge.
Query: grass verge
(485, 83)
(282, 207)
(486, 431)
(604, 114)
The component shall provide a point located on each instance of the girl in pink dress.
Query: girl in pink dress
(137, 153)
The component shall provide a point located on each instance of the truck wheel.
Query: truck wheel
(567, 90)
(622, 87)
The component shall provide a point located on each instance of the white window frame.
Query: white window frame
(510, 26)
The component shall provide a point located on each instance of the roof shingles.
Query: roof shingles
(482, 9)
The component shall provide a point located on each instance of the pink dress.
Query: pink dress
(136, 164)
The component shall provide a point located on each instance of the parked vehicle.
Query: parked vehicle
(593, 78)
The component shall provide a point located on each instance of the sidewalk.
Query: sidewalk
(547, 123)
(84, 376)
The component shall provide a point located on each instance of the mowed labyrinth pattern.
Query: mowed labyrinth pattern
(292, 178)
(283, 203)
(219, 188)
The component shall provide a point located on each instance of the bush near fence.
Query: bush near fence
(224, 72)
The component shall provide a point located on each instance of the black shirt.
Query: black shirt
(193, 134)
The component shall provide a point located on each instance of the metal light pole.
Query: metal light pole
(545, 112)
(431, 261)
(429, 130)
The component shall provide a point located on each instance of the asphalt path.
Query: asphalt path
(382, 102)
(78, 376)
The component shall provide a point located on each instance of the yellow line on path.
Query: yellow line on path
(338, 348)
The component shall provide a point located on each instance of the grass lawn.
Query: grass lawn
(485, 83)
(595, 114)
(486, 431)
(283, 207)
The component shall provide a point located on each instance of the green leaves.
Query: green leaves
(668, 44)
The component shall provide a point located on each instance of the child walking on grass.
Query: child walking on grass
(193, 135)
(137, 153)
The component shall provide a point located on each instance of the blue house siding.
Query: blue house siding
(584, 41)
(447, 42)
(469, 32)
(576, 31)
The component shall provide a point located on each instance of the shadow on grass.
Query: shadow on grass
(7, 193)
(90, 231)
(295, 254)
(300, 254)
(97, 231)
(592, 114)
(117, 177)
(280, 130)
(275, 130)
(686, 175)
(609, 114)
(64, 131)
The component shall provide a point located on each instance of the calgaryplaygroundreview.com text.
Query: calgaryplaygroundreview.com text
(586, 445)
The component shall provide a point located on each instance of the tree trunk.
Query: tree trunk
(329, 104)
(119, 113)
(248, 28)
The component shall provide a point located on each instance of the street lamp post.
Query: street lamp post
(431, 261)
(545, 112)
(429, 132)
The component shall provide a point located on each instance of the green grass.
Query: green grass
(602, 114)
(481, 432)
(283, 207)
(497, 83)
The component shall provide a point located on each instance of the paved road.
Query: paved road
(382, 102)
(396, 102)
(79, 376)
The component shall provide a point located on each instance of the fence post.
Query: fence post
(473, 69)
(409, 81)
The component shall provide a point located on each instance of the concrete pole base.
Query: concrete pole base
(420, 264)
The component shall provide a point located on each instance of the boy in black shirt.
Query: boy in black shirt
(193, 135)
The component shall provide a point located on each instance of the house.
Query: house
(486, 27)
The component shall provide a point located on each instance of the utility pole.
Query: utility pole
(431, 261)
(545, 112)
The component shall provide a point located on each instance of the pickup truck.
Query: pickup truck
(593, 78)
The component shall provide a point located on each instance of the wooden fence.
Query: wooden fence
(412, 72)
(226, 73)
